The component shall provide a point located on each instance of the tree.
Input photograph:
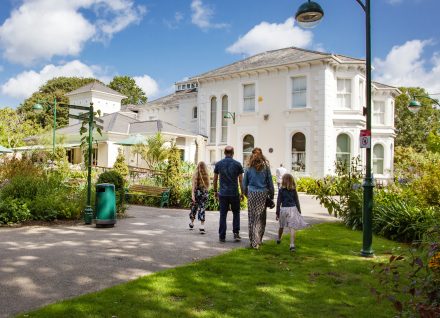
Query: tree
(54, 88)
(127, 86)
(154, 151)
(14, 128)
(412, 130)
(120, 165)
(433, 142)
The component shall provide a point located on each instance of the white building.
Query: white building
(303, 108)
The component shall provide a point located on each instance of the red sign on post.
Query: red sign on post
(365, 138)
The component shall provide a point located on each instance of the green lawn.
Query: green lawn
(324, 278)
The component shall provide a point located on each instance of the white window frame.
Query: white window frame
(347, 95)
(195, 112)
(298, 153)
(213, 122)
(361, 93)
(243, 85)
(224, 121)
(379, 112)
(242, 147)
(292, 92)
(377, 160)
(350, 145)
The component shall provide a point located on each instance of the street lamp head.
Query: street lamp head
(309, 14)
(38, 108)
(414, 106)
(227, 116)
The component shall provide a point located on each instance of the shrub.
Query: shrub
(13, 211)
(307, 185)
(342, 196)
(173, 177)
(211, 205)
(411, 282)
(399, 218)
(121, 166)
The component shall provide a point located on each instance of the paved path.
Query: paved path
(40, 265)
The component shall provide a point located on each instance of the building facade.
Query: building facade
(305, 109)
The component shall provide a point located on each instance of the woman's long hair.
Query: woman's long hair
(201, 176)
(257, 160)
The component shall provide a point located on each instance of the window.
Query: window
(378, 156)
(213, 124)
(94, 156)
(343, 150)
(249, 98)
(224, 137)
(361, 94)
(248, 146)
(378, 113)
(194, 112)
(299, 92)
(344, 93)
(299, 152)
(212, 157)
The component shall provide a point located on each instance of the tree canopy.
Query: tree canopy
(127, 86)
(412, 130)
(54, 88)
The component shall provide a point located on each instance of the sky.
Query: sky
(160, 42)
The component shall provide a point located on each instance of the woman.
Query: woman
(258, 186)
(200, 187)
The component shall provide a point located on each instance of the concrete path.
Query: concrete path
(40, 265)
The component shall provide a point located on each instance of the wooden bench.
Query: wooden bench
(151, 191)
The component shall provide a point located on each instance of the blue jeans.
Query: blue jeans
(234, 203)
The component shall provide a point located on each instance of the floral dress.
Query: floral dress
(199, 206)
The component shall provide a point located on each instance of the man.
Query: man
(231, 174)
(280, 172)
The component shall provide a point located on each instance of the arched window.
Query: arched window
(224, 120)
(343, 149)
(378, 156)
(248, 145)
(194, 112)
(213, 123)
(299, 152)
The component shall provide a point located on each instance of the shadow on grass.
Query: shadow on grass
(325, 277)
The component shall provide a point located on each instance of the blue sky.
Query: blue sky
(159, 42)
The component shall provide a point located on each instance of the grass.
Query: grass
(324, 278)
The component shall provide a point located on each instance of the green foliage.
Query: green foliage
(43, 193)
(127, 86)
(419, 171)
(342, 195)
(412, 129)
(13, 211)
(307, 184)
(400, 218)
(114, 177)
(84, 132)
(154, 152)
(46, 94)
(120, 165)
(212, 204)
(411, 281)
(433, 142)
(173, 177)
(14, 127)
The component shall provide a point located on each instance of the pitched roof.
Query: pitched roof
(115, 122)
(96, 87)
(279, 57)
(155, 126)
(169, 100)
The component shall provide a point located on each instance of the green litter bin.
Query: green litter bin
(105, 205)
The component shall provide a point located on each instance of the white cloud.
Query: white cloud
(269, 36)
(405, 66)
(40, 29)
(24, 84)
(202, 15)
(148, 85)
(174, 23)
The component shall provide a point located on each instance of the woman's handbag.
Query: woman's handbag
(269, 202)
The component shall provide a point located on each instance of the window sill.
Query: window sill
(295, 110)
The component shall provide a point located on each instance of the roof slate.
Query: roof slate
(290, 55)
(95, 86)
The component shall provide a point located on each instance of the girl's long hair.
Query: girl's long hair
(288, 182)
(201, 176)
(258, 160)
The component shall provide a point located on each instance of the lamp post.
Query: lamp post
(414, 105)
(230, 115)
(38, 108)
(309, 14)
